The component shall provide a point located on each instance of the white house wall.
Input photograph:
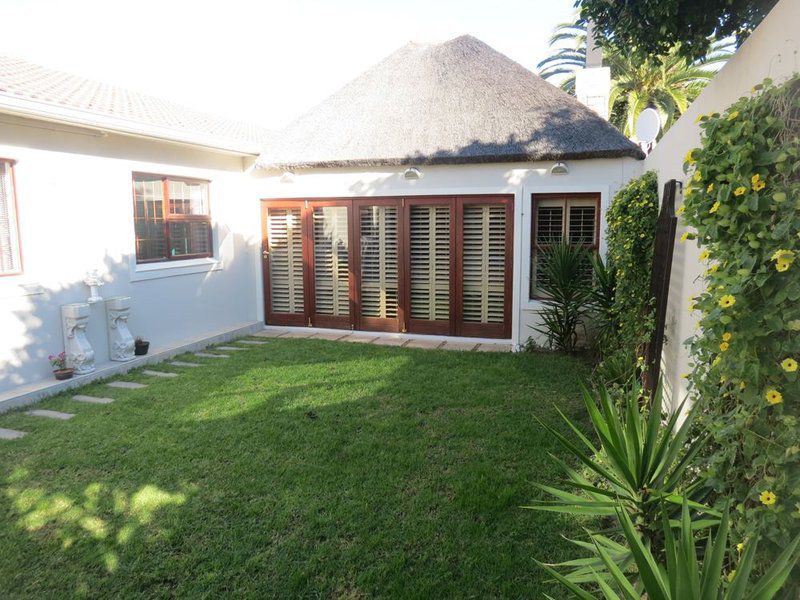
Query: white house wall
(76, 214)
(771, 51)
(605, 176)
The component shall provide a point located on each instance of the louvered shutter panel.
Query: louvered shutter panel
(331, 261)
(549, 230)
(581, 227)
(379, 272)
(430, 262)
(9, 242)
(285, 259)
(484, 258)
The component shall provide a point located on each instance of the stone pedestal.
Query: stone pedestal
(80, 356)
(120, 340)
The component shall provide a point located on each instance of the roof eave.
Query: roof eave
(24, 107)
(633, 152)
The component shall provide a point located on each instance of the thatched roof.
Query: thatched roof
(452, 103)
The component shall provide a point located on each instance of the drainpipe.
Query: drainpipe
(593, 82)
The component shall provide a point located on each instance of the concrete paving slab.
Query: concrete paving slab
(298, 334)
(11, 434)
(421, 343)
(226, 348)
(359, 339)
(252, 342)
(207, 355)
(494, 348)
(50, 414)
(331, 336)
(181, 363)
(159, 373)
(126, 385)
(92, 399)
(459, 346)
(270, 333)
(388, 341)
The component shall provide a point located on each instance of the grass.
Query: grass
(301, 468)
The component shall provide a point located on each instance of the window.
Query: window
(171, 218)
(10, 260)
(573, 218)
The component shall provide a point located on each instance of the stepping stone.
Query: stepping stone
(388, 341)
(127, 385)
(270, 333)
(299, 334)
(494, 348)
(92, 399)
(228, 348)
(11, 434)
(159, 373)
(331, 336)
(359, 339)
(427, 344)
(207, 355)
(50, 414)
(459, 346)
(180, 363)
(252, 342)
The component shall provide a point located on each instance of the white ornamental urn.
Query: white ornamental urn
(120, 340)
(74, 320)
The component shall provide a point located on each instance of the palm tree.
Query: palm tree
(670, 84)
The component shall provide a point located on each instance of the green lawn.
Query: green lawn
(301, 468)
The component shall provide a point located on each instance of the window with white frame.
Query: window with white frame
(10, 260)
(572, 218)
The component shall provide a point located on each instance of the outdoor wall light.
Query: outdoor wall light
(287, 177)
(559, 168)
(413, 173)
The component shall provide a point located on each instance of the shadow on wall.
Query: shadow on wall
(164, 310)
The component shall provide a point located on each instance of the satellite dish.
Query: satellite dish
(648, 124)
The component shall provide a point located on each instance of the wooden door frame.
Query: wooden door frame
(426, 326)
(488, 330)
(272, 318)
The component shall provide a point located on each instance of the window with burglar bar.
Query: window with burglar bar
(171, 218)
(570, 218)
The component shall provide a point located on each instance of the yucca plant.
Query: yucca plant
(605, 324)
(640, 463)
(681, 575)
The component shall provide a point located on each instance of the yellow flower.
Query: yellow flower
(742, 385)
(758, 183)
(689, 158)
(698, 176)
(681, 210)
(740, 190)
(789, 365)
(767, 498)
(727, 301)
(704, 255)
(755, 179)
(710, 188)
(773, 396)
(712, 269)
(733, 115)
(731, 575)
(740, 546)
(726, 337)
(716, 361)
(724, 346)
(782, 265)
(714, 208)
(685, 236)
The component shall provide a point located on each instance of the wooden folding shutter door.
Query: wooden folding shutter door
(430, 237)
(330, 275)
(485, 248)
(378, 294)
(283, 226)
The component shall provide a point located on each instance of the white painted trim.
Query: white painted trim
(29, 394)
(174, 268)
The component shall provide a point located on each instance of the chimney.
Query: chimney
(593, 82)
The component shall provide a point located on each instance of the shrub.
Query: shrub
(630, 231)
(744, 203)
(564, 280)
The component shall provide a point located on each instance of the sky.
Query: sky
(266, 62)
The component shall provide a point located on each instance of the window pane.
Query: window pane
(549, 223)
(189, 237)
(9, 240)
(582, 225)
(188, 198)
(148, 195)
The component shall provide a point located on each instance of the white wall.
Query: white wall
(771, 51)
(76, 214)
(605, 176)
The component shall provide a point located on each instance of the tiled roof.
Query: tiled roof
(20, 79)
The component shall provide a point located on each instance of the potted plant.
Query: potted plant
(140, 347)
(59, 363)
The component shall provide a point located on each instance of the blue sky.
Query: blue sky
(264, 61)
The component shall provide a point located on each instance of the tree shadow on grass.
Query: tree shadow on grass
(378, 471)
